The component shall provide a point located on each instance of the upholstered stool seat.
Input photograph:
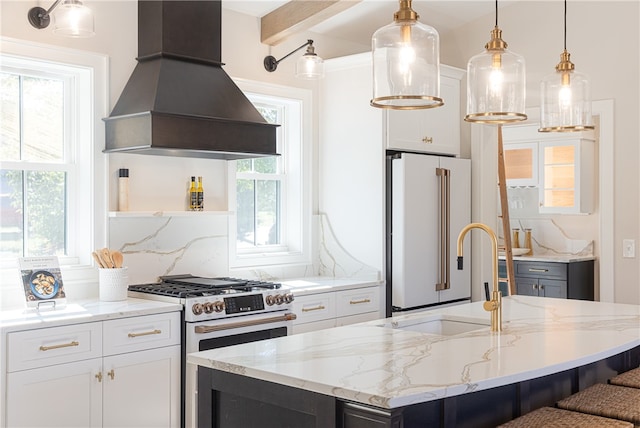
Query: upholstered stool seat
(550, 417)
(610, 401)
(630, 379)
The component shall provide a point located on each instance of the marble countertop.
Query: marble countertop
(325, 284)
(567, 258)
(80, 312)
(391, 367)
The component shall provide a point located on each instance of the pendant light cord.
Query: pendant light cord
(497, 12)
(565, 25)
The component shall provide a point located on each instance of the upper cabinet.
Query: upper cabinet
(521, 164)
(434, 130)
(560, 165)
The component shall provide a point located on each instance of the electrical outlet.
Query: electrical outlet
(629, 248)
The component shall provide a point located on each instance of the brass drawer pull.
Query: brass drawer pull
(427, 140)
(538, 270)
(357, 302)
(315, 308)
(64, 345)
(99, 376)
(146, 333)
(112, 374)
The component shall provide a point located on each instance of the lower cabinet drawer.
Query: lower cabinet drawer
(140, 333)
(357, 301)
(55, 345)
(315, 307)
(541, 269)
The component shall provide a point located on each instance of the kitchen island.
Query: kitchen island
(438, 368)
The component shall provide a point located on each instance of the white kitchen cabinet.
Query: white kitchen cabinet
(115, 373)
(434, 130)
(521, 164)
(560, 165)
(336, 308)
(567, 176)
(142, 389)
(62, 395)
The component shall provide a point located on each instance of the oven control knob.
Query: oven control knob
(218, 306)
(270, 300)
(279, 299)
(288, 298)
(197, 309)
(208, 307)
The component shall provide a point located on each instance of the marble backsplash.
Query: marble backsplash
(154, 246)
(548, 238)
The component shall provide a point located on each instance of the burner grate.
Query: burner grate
(189, 286)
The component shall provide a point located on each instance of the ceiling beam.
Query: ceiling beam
(298, 15)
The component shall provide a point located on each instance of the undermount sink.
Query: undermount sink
(439, 325)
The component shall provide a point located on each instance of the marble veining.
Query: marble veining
(158, 245)
(549, 239)
(381, 364)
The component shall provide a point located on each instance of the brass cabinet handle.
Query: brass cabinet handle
(427, 140)
(63, 345)
(111, 373)
(146, 333)
(99, 376)
(538, 270)
(356, 302)
(315, 308)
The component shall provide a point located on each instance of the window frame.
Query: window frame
(88, 165)
(295, 247)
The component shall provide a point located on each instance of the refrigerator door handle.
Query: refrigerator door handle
(444, 174)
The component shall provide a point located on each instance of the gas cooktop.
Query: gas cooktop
(183, 286)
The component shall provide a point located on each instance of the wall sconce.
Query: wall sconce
(71, 18)
(565, 96)
(309, 65)
(496, 83)
(406, 63)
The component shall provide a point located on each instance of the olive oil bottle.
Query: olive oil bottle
(200, 195)
(193, 195)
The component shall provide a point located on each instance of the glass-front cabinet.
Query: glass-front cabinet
(560, 166)
(567, 176)
(521, 164)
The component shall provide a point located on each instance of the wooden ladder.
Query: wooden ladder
(506, 226)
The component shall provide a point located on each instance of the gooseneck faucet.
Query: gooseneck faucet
(495, 304)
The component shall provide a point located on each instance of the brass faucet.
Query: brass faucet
(494, 305)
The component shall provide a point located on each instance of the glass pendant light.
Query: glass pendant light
(406, 63)
(73, 19)
(565, 96)
(310, 65)
(496, 83)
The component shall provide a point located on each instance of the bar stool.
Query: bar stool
(630, 379)
(610, 401)
(551, 417)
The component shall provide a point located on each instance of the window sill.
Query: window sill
(130, 214)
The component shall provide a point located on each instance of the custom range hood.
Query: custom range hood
(179, 101)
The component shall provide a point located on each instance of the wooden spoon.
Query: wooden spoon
(98, 260)
(117, 258)
(105, 255)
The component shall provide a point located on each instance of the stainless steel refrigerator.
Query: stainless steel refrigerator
(428, 203)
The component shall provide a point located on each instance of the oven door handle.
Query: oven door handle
(200, 329)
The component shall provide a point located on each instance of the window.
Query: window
(51, 101)
(270, 196)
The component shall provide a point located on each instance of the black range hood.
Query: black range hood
(179, 101)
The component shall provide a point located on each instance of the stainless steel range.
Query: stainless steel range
(220, 312)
